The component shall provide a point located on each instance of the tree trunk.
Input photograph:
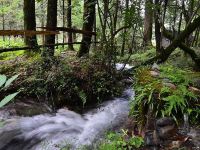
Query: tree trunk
(148, 21)
(30, 22)
(184, 47)
(124, 32)
(88, 17)
(188, 30)
(157, 27)
(51, 23)
(69, 24)
(3, 20)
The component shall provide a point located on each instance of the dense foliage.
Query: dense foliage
(167, 95)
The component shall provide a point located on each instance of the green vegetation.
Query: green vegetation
(121, 141)
(168, 95)
(69, 49)
(79, 82)
(4, 84)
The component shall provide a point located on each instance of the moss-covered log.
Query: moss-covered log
(188, 30)
(184, 47)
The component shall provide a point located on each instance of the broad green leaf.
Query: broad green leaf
(2, 80)
(9, 81)
(8, 99)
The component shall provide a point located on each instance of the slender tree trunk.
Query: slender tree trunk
(88, 23)
(69, 24)
(3, 19)
(157, 27)
(51, 23)
(42, 21)
(30, 22)
(148, 21)
(125, 32)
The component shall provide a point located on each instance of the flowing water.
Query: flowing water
(54, 131)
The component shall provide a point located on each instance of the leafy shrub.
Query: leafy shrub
(121, 141)
(154, 97)
(4, 84)
(75, 82)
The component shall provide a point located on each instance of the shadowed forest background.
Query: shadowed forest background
(127, 71)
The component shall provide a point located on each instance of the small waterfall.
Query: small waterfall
(54, 131)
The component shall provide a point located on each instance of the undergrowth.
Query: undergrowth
(121, 141)
(74, 82)
(167, 95)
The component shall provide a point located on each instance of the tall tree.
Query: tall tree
(148, 21)
(69, 23)
(157, 20)
(125, 30)
(3, 18)
(30, 22)
(88, 23)
(51, 24)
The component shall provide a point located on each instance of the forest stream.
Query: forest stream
(53, 131)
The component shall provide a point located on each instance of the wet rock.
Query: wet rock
(151, 138)
(154, 73)
(23, 108)
(155, 67)
(170, 85)
(195, 135)
(166, 128)
(194, 90)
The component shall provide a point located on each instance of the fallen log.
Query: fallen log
(184, 47)
(160, 58)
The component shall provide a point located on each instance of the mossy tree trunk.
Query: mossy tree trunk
(88, 23)
(148, 21)
(157, 27)
(69, 23)
(179, 39)
(52, 24)
(30, 22)
(184, 47)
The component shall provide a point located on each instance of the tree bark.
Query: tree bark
(148, 21)
(51, 23)
(183, 35)
(88, 23)
(69, 24)
(125, 31)
(184, 47)
(30, 22)
(157, 27)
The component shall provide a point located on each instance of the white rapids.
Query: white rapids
(54, 131)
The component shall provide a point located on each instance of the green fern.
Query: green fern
(153, 95)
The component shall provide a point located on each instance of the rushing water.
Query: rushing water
(53, 131)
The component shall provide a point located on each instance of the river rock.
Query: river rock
(195, 135)
(23, 108)
(151, 138)
(155, 74)
(166, 128)
(170, 85)
(155, 67)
